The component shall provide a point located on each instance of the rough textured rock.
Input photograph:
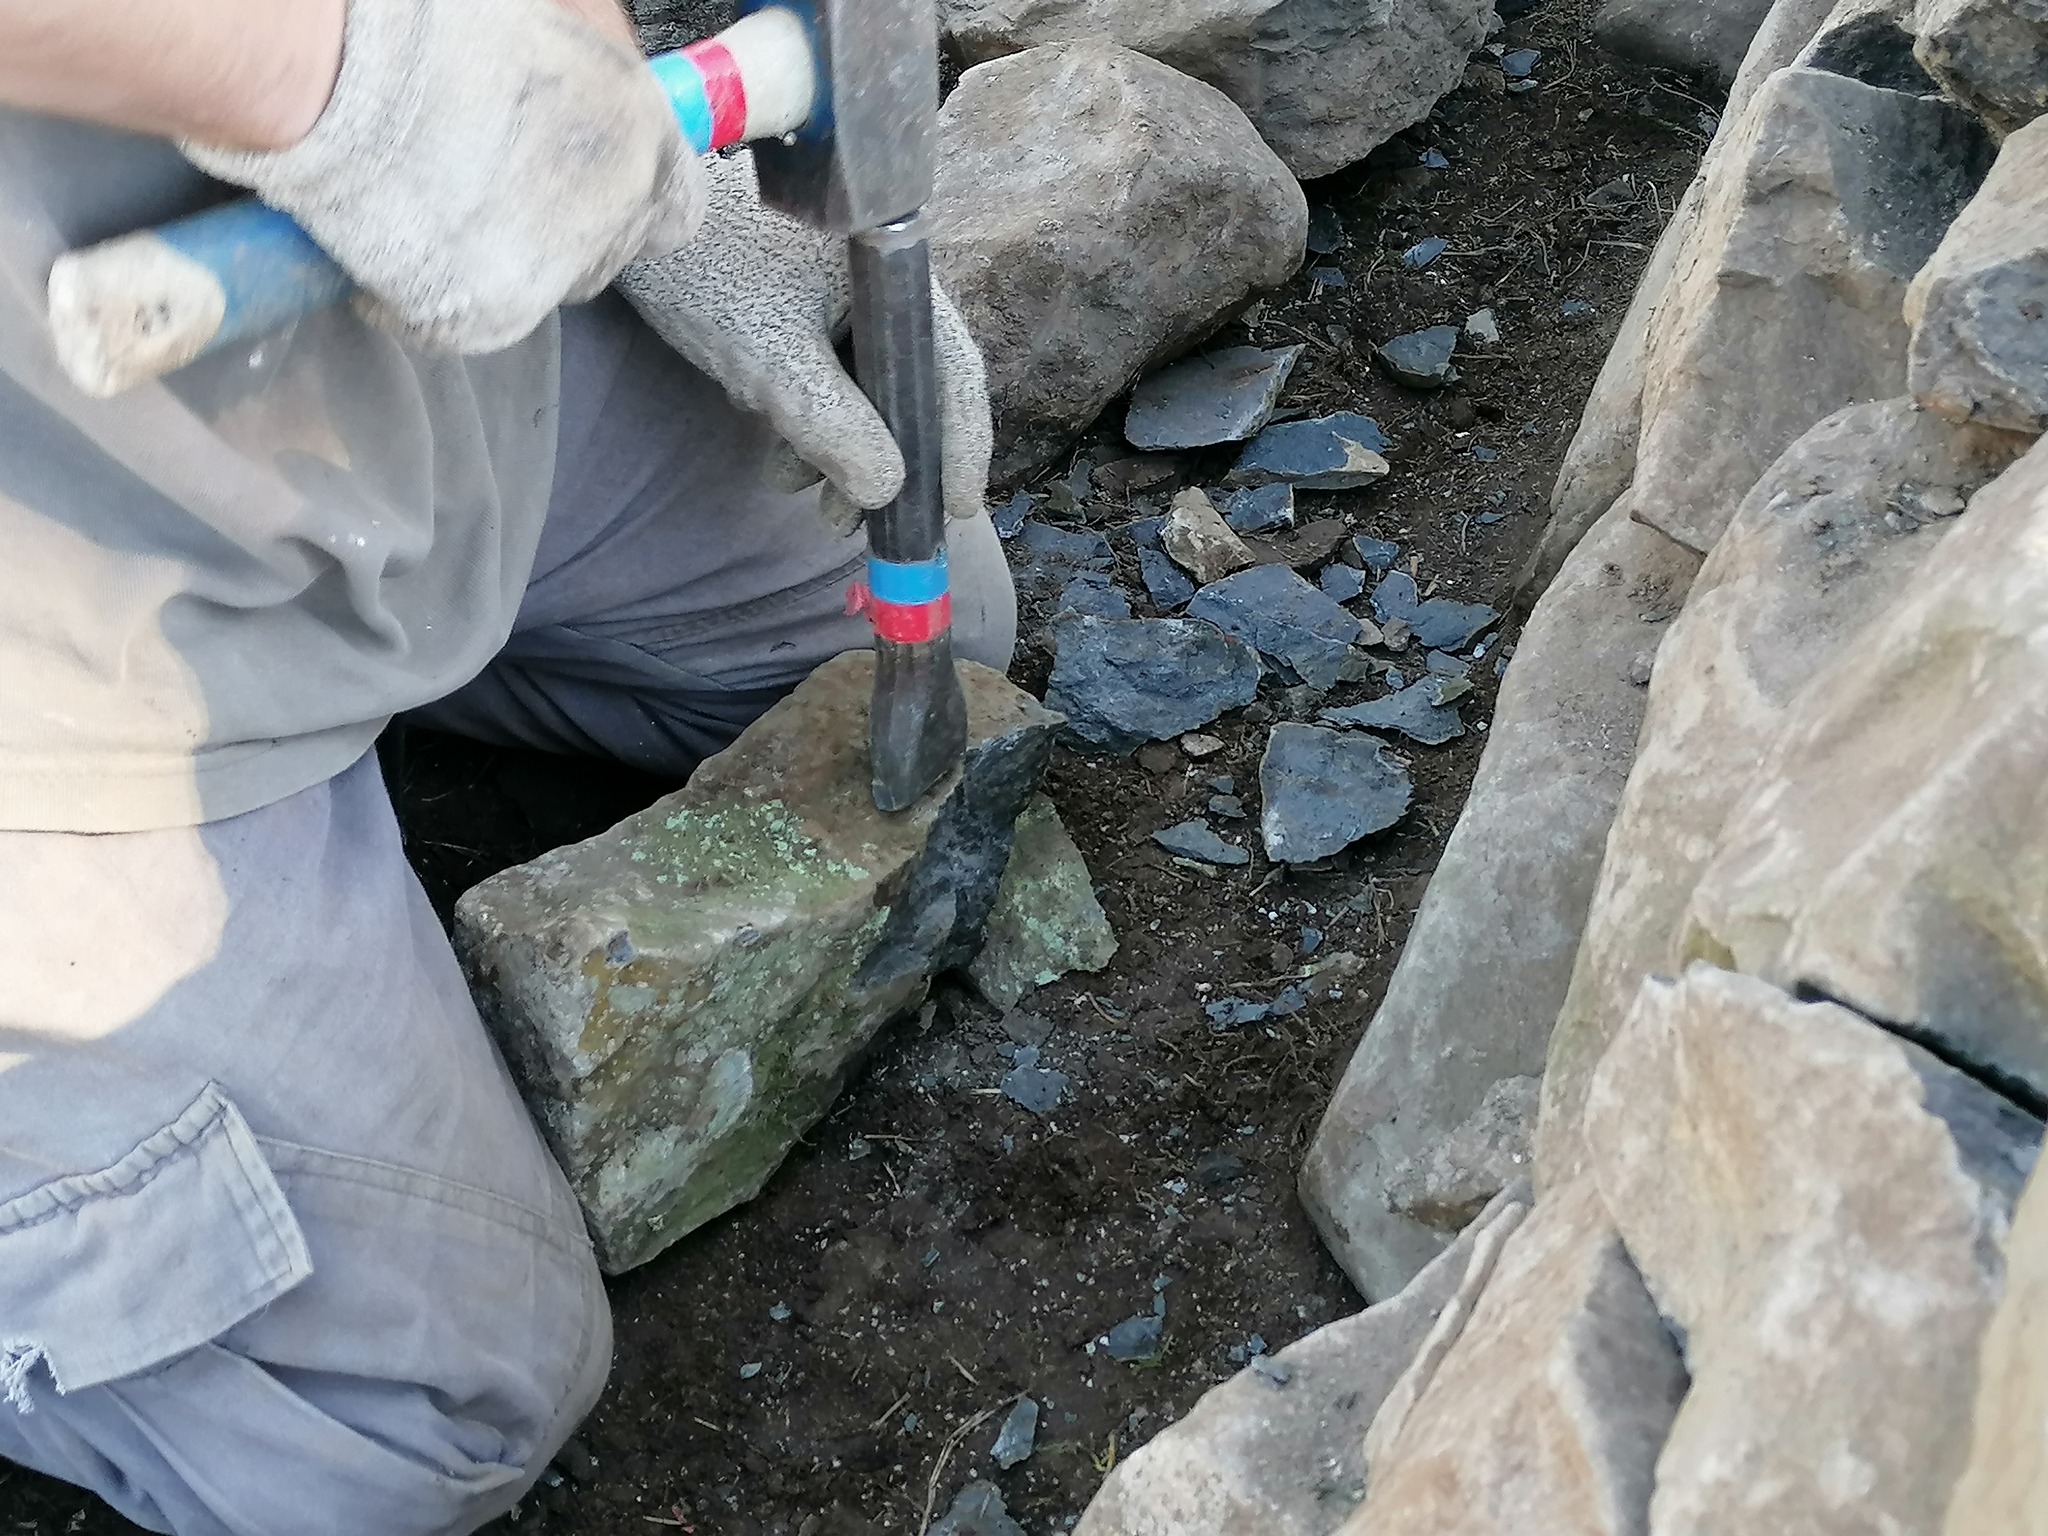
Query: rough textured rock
(1199, 541)
(1323, 790)
(1788, 303)
(1330, 453)
(1695, 37)
(1601, 460)
(1223, 396)
(1260, 1458)
(2004, 1487)
(1325, 82)
(1544, 1418)
(1820, 1207)
(1891, 850)
(1415, 711)
(1124, 682)
(1823, 544)
(1273, 609)
(1420, 1112)
(1046, 922)
(1438, 622)
(1991, 55)
(681, 997)
(1979, 308)
(1096, 214)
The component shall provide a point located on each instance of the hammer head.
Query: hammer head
(865, 159)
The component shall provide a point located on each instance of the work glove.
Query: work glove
(760, 301)
(475, 169)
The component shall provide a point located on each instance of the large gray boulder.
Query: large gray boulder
(2004, 1487)
(1545, 1417)
(1991, 55)
(1279, 1449)
(1696, 37)
(1979, 308)
(1824, 544)
(1096, 214)
(1326, 82)
(1436, 1111)
(1891, 848)
(1788, 305)
(681, 998)
(1820, 1207)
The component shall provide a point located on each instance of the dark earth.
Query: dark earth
(933, 1251)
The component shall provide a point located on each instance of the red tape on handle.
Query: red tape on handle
(902, 623)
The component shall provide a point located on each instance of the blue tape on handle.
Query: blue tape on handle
(268, 268)
(908, 586)
(684, 84)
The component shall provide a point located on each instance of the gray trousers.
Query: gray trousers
(280, 1252)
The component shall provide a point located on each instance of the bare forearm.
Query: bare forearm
(253, 74)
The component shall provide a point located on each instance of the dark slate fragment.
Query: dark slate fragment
(1260, 508)
(1279, 613)
(1166, 584)
(1123, 682)
(1137, 1339)
(1092, 593)
(1414, 712)
(1421, 359)
(1197, 840)
(1227, 807)
(1376, 555)
(1325, 789)
(977, 1510)
(1423, 252)
(1009, 517)
(1044, 558)
(1520, 63)
(1342, 582)
(1228, 1013)
(1147, 532)
(1032, 1087)
(1018, 1436)
(1439, 624)
(1433, 159)
(1328, 277)
(1327, 453)
(1223, 396)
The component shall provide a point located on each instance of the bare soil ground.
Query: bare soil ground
(933, 1251)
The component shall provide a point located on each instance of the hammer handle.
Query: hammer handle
(135, 308)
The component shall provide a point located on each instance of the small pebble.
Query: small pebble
(1197, 745)
(750, 1370)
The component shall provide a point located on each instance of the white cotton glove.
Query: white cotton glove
(759, 302)
(474, 169)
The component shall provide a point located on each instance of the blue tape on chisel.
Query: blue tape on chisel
(269, 270)
(908, 586)
(684, 83)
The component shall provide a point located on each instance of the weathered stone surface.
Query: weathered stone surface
(1891, 850)
(1199, 541)
(1046, 922)
(1816, 552)
(1820, 1207)
(1124, 682)
(1544, 1418)
(681, 997)
(1329, 453)
(1323, 790)
(1326, 83)
(1198, 840)
(2004, 1487)
(1415, 712)
(1601, 460)
(1096, 214)
(1223, 396)
(1273, 609)
(1438, 622)
(1991, 55)
(1787, 303)
(1979, 308)
(1256, 1458)
(1422, 1108)
(1421, 359)
(1260, 508)
(1696, 37)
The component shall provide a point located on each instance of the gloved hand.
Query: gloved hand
(472, 171)
(759, 301)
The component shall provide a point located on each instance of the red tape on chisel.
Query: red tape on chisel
(723, 88)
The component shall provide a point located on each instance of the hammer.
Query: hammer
(842, 97)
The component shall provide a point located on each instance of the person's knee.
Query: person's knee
(984, 596)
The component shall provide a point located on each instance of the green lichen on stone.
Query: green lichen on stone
(743, 845)
(1047, 922)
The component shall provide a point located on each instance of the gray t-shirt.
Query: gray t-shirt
(216, 590)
